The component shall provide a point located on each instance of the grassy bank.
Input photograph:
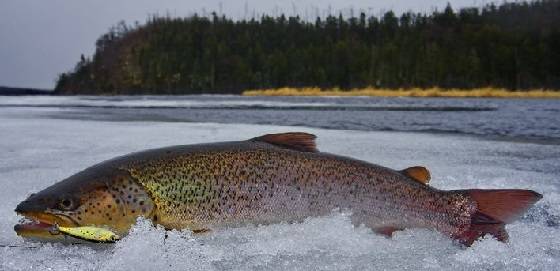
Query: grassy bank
(412, 92)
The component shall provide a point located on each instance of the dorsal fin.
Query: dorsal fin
(296, 141)
(418, 173)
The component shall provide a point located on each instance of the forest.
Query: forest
(511, 45)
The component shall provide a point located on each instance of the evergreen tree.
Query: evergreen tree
(513, 45)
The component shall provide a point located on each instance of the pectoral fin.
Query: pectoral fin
(201, 231)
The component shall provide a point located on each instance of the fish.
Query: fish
(268, 179)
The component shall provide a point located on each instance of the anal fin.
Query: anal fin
(387, 231)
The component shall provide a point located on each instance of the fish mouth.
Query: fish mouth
(42, 224)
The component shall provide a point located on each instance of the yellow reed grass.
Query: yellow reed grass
(411, 92)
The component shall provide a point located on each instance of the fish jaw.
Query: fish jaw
(40, 225)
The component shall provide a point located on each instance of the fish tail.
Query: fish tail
(495, 208)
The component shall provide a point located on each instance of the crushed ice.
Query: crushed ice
(38, 152)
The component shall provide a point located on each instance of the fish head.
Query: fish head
(107, 199)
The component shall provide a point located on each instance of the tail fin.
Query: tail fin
(495, 208)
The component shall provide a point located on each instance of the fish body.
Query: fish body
(268, 179)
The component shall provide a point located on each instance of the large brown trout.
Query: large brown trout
(268, 179)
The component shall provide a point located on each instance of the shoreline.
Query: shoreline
(411, 92)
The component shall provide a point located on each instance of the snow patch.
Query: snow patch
(39, 152)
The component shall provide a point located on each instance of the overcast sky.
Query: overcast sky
(41, 38)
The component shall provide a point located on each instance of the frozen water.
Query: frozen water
(37, 152)
(533, 119)
(142, 101)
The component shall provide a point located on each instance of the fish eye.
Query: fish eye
(66, 204)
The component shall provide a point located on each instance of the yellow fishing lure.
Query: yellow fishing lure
(92, 234)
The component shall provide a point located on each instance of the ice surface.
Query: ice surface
(143, 101)
(38, 152)
(527, 119)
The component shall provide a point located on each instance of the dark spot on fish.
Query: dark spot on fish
(79, 218)
(141, 203)
(109, 206)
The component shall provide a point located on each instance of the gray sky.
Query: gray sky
(41, 38)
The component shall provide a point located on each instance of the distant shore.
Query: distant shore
(411, 92)
(18, 91)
